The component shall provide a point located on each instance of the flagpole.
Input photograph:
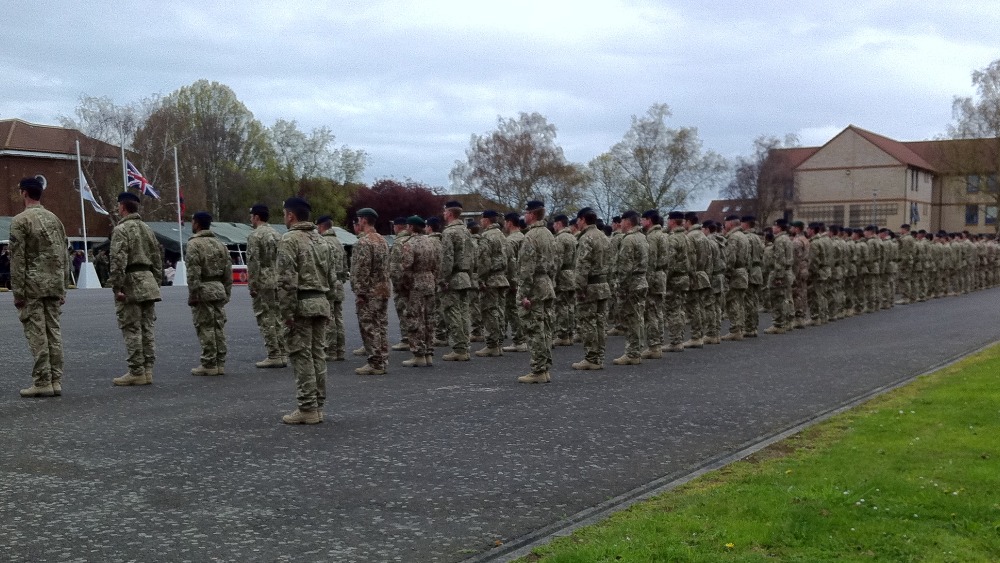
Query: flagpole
(124, 171)
(180, 270)
(88, 274)
(83, 213)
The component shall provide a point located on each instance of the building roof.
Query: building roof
(896, 149)
(718, 209)
(960, 156)
(28, 139)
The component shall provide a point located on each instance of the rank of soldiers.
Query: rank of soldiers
(666, 285)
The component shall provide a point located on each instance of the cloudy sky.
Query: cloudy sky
(409, 82)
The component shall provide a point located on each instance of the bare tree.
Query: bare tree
(765, 181)
(605, 186)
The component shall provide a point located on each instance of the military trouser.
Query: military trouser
(781, 306)
(837, 298)
(306, 341)
(751, 310)
(137, 322)
(373, 320)
(210, 324)
(907, 286)
(40, 320)
(421, 316)
(537, 324)
(592, 320)
(513, 316)
(633, 305)
(735, 305)
(399, 302)
(695, 302)
(713, 313)
(440, 324)
(819, 301)
(492, 301)
(673, 314)
(455, 310)
(265, 309)
(475, 313)
(564, 314)
(335, 341)
(800, 297)
(654, 318)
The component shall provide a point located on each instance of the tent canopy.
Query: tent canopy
(230, 234)
(5, 229)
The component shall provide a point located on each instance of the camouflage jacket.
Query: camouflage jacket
(680, 260)
(701, 250)
(338, 265)
(800, 251)
(616, 245)
(493, 258)
(396, 257)
(820, 257)
(632, 261)
(593, 263)
(303, 273)
(718, 273)
(756, 256)
(420, 261)
(136, 262)
(907, 252)
(566, 255)
(370, 267)
(514, 241)
(262, 258)
(782, 262)
(737, 259)
(38, 260)
(657, 260)
(209, 268)
(875, 252)
(456, 256)
(537, 264)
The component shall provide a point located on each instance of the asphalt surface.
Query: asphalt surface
(437, 464)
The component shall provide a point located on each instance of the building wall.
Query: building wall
(962, 210)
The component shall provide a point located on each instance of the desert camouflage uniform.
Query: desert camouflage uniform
(210, 285)
(780, 280)
(370, 282)
(820, 258)
(800, 289)
(492, 265)
(455, 283)
(908, 267)
(630, 268)
(716, 303)
(420, 262)
(538, 264)
(136, 271)
(699, 292)
(593, 258)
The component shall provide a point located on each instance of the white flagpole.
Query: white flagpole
(124, 172)
(88, 274)
(180, 270)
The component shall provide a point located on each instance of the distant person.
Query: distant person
(101, 265)
(336, 337)
(5, 267)
(38, 278)
(370, 282)
(210, 286)
(262, 281)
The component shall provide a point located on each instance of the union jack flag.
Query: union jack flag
(138, 181)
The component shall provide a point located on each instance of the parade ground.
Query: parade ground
(449, 463)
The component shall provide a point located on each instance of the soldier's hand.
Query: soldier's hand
(526, 303)
(119, 296)
(19, 303)
(62, 300)
(253, 293)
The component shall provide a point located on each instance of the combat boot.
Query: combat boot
(360, 351)
(563, 342)
(651, 353)
(438, 343)
(616, 332)
(626, 360)
(400, 347)
(220, 368)
(774, 330)
(415, 362)
(36, 391)
(477, 338)
(367, 369)
(430, 360)
(712, 340)
(456, 357)
(535, 378)
(129, 379)
(587, 365)
(750, 334)
(694, 343)
(302, 417)
(202, 370)
(148, 375)
(271, 363)
(489, 353)
(57, 388)
(673, 348)
(734, 336)
(515, 348)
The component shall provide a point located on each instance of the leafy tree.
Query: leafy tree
(765, 181)
(605, 186)
(518, 162)
(300, 156)
(391, 199)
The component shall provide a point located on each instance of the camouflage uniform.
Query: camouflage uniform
(756, 284)
(136, 271)
(262, 281)
(303, 284)
(370, 281)
(680, 268)
(780, 280)
(38, 268)
(537, 267)
(715, 304)
(493, 284)
(700, 290)
(473, 296)
(875, 258)
(565, 311)
(420, 261)
(907, 267)
(655, 312)
(630, 268)
(335, 336)
(737, 279)
(800, 289)
(593, 260)
(395, 272)
(617, 320)
(512, 314)
(455, 283)
(210, 285)
(819, 278)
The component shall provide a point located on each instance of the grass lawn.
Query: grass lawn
(913, 475)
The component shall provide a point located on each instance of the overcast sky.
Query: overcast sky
(409, 82)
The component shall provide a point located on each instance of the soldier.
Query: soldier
(715, 303)
(370, 281)
(800, 289)
(455, 281)
(756, 283)
(515, 238)
(836, 289)
(38, 269)
(737, 276)
(475, 307)
(303, 285)
(680, 268)
(335, 337)
(136, 273)
(875, 258)
(616, 323)
(593, 257)
(537, 266)
(699, 292)
(101, 266)
(565, 310)
(402, 232)
(656, 281)
(433, 231)
(262, 281)
(819, 274)
(420, 261)
(630, 267)
(907, 265)
(781, 278)
(210, 285)
(921, 265)
(492, 262)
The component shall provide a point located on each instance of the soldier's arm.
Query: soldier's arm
(227, 276)
(18, 262)
(194, 272)
(288, 280)
(447, 255)
(253, 260)
(119, 260)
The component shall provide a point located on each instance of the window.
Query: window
(829, 214)
(972, 183)
(914, 177)
(991, 184)
(863, 214)
(971, 214)
(990, 213)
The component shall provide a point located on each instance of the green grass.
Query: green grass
(913, 475)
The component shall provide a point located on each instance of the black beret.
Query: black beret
(883, 230)
(676, 215)
(584, 211)
(533, 205)
(490, 214)
(416, 221)
(202, 218)
(399, 221)
(512, 217)
(691, 216)
(747, 219)
(616, 219)
(453, 203)
(781, 223)
(31, 184)
(324, 219)
(904, 226)
(872, 228)
(128, 196)
(651, 214)
(367, 212)
(434, 220)
(296, 203)
(798, 224)
(259, 209)
(813, 225)
(732, 217)
(709, 223)
(631, 216)
(560, 219)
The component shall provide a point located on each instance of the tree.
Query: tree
(977, 121)
(605, 186)
(299, 156)
(391, 199)
(765, 182)
(518, 162)
(660, 167)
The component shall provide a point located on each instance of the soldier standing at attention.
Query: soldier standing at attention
(514, 240)
(800, 289)
(616, 324)
(262, 274)
(538, 264)
(370, 280)
(335, 345)
(630, 269)
(420, 262)
(699, 294)
(564, 310)
(456, 267)
(593, 258)
(737, 277)
(717, 274)
(656, 281)
(680, 266)
(136, 272)
(38, 269)
(754, 274)
(210, 285)
(402, 233)
(303, 274)
(780, 278)
(475, 307)
(493, 283)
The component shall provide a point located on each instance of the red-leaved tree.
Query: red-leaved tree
(391, 199)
